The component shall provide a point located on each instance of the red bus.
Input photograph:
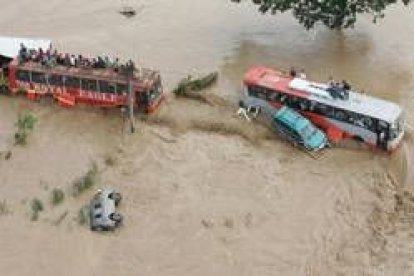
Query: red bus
(102, 87)
(340, 112)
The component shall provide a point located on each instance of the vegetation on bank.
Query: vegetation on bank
(36, 207)
(25, 124)
(4, 208)
(57, 196)
(110, 160)
(335, 14)
(85, 182)
(83, 215)
(6, 154)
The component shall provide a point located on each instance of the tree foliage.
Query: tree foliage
(335, 14)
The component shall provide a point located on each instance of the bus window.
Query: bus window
(72, 82)
(369, 123)
(382, 126)
(112, 88)
(323, 109)
(357, 119)
(253, 91)
(23, 75)
(38, 78)
(56, 80)
(154, 93)
(304, 104)
(294, 102)
(273, 96)
(121, 88)
(284, 99)
(396, 128)
(106, 87)
(340, 115)
(262, 93)
(89, 85)
(103, 86)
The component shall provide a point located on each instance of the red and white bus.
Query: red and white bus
(340, 113)
(103, 87)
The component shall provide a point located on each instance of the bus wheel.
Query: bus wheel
(358, 139)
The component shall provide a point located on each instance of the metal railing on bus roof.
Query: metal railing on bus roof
(140, 74)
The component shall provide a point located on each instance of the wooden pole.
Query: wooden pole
(131, 106)
(130, 74)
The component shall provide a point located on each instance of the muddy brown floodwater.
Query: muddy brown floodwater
(205, 194)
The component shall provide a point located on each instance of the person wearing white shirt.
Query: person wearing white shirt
(302, 74)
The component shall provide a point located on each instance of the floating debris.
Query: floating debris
(190, 88)
(128, 11)
(189, 85)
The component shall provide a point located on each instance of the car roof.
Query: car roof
(291, 118)
(107, 205)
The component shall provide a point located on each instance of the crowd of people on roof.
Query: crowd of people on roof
(335, 89)
(52, 58)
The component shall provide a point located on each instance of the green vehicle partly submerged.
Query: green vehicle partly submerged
(297, 129)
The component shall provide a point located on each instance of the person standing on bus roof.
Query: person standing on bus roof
(72, 61)
(302, 74)
(331, 81)
(292, 72)
(346, 85)
(23, 53)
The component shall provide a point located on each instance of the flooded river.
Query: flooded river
(202, 203)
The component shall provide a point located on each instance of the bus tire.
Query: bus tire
(358, 139)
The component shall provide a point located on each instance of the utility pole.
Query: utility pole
(130, 75)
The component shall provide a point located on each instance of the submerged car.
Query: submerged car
(103, 215)
(298, 130)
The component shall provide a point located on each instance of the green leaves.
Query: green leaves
(85, 182)
(335, 14)
(25, 124)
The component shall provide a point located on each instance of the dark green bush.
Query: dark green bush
(37, 207)
(85, 182)
(25, 124)
(57, 196)
(83, 215)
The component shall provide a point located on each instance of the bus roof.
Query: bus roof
(357, 102)
(143, 76)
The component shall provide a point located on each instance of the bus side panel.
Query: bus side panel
(12, 77)
(73, 91)
(346, 129)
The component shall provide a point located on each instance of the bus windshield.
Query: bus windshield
(396, 128)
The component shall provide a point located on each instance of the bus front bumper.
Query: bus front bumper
(393, 145)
